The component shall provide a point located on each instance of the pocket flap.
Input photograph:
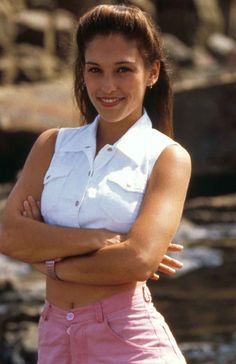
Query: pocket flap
(56, 172)
(132, 182)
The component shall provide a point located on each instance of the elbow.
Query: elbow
(143, 267)
(4, 242)
(8, 244)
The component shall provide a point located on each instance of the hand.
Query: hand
(31, 209)
(113, 238)
(168, 264)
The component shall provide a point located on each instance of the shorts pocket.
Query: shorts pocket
(133, 330)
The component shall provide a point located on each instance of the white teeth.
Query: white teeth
(110, 100)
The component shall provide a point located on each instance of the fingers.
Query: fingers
(166, 269)
(171, 262)
(175, 248)
(32, 208)
(169, 265)
(154, 277)
(27, 209)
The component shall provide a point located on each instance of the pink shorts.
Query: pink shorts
(122, 329)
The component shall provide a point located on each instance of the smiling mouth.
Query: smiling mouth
(110, 101)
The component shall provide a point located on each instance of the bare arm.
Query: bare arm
(30, 240)
(168, 264)
(140, 255)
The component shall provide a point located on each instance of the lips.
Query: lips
(110, 101)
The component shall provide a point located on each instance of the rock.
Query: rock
(177, 51)
(204, 122)
(181, 21)
(231, 25)
(186, 301)
(42, 4)
(190, 231)
(222, 47)
(22, 294)
(211, 19)
(38, 106)
(146, 5)
(228, 8)
(212, 210)
(36, 44)
(4, 192)
(195, 302)
(14, 148)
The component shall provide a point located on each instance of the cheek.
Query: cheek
(91, 86)
(136, 84)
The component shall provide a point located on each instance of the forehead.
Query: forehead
(113, 47)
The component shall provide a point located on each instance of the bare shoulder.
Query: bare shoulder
(46, 140)
(171, 172)
(174, 159)
(43, 148)
(31, 177)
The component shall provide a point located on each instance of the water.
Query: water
(200, 303)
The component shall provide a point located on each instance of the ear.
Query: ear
(154, 73)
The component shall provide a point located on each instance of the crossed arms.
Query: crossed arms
(97, 256)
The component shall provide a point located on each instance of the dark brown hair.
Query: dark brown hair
(133, 24)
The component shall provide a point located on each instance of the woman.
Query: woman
(112, 194)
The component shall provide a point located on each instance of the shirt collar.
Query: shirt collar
(87, 138)
(130, 144)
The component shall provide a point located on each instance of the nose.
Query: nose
(108, 84)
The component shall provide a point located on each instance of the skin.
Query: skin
(116, 87)
(168, 265)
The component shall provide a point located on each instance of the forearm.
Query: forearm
(32, 241)
(132, 260)
(116, 264)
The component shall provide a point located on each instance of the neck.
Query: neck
(109, 133)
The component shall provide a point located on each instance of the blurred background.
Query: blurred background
(36, 93)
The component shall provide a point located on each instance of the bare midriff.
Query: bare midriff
(68, 295)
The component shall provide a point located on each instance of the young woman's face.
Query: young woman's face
(116, 78)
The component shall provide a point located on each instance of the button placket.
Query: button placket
(104, 156)
(90, 175)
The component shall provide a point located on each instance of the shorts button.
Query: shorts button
(70, 316)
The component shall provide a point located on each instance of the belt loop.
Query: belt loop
(98, 312)
(45, 313)
(146, 294)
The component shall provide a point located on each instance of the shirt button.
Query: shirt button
(70, 316)
(48, 176)
(110, 149)
(76, 203)
(90, 173)
(87, 146)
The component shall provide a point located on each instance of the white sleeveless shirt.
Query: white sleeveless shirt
(106, 191)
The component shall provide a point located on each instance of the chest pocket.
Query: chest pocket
(122, 195)
(54, 184)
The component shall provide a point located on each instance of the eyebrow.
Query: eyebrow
(120, 62)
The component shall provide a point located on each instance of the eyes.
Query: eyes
(95, 70)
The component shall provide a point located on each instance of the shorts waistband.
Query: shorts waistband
(140, 295)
